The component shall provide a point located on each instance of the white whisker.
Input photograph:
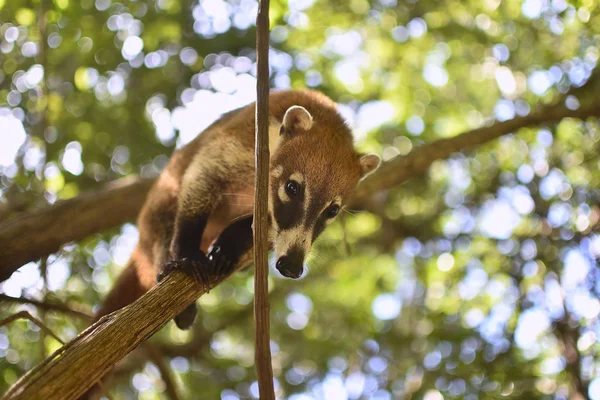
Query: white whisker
(240, 217)
(311, 258)
(238, 194)
(350, 212)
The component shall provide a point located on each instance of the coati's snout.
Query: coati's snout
(291, 265)
(314, 170)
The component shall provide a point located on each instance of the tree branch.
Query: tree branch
(26, 315)
(37, 233)
(568, 336)
(47, 306)
(74, 368)
(402, 168)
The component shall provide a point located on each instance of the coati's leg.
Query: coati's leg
(199, 196)
(202, 188)
(230, 245)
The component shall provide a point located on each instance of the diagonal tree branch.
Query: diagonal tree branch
(37, 233)
(400, 169)
(41, 232)
(74, 368)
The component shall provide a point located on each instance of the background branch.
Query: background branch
(28, 316)
(35, 234)
(402, 168)
(158, 359)
(568, 335)
(47, 306)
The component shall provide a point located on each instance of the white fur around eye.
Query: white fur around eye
(298, 177)
(277, 171)
(283, 196)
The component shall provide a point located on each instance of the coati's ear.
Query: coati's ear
(296, 119)
(368, 164)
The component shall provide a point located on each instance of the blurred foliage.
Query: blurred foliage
(477, 281)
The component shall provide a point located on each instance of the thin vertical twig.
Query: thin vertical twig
(42, 106)
(44, 292)
(42, 59)
(264, 370)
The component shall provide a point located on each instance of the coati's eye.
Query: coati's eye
(292, 188)
(332, 211)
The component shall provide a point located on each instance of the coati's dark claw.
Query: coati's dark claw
(222, 264)
(166, 270)
(196, 268)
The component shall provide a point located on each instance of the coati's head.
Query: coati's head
(313, 172)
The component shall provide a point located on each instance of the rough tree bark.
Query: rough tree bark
(73, 369)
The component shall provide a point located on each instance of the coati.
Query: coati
(198, 215)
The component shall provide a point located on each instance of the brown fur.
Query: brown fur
(214, 175)
(329, 160)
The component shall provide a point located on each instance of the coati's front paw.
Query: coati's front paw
(197, 268)
(221, 263)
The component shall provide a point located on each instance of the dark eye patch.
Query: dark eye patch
(289, 214)
(319, 227)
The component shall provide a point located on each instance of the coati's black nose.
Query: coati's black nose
(291, 265)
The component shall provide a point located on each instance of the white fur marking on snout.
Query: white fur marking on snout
(295, 237)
